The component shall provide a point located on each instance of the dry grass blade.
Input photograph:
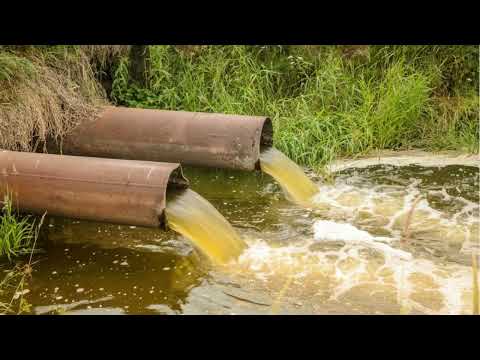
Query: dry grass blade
(44, 93)
(408, 220)
(103, 55)
(27, 270)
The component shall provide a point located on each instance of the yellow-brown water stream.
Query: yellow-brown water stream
(195, 218)
(296, 185)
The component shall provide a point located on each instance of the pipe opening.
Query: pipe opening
(177, 180)
(266, 139)
(177, 184)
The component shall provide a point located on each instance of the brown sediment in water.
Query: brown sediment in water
(195, 218)
(297, 186)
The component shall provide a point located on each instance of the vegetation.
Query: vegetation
(13, 286)
(45, 91)
(325, 101)
(16, 233)
(18, 236)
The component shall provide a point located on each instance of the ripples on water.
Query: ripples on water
(365, 264)
(290, 265)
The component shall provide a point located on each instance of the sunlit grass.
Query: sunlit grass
(323, 103)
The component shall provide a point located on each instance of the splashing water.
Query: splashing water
(356, 260)
(352, 276)
(325, 230)
(195, 218)
(297, 186)
(344, 255)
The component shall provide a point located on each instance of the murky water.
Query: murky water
(346, 255)
(192, 216)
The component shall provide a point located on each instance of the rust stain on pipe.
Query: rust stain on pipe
(109, 190)
(192, 138)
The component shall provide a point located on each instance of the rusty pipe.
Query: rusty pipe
(191, 138)
(109, 190)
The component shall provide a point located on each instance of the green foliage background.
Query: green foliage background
(325, 101)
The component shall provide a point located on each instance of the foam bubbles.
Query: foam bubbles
(355, 254)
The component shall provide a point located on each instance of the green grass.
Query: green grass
(16, 233)
(12, 66)
(18, 236)
(325, 101)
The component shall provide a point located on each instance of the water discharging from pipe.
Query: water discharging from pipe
(296, 185)
(195, 218)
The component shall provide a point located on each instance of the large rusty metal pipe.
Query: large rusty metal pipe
(191, 138)
(109, 190)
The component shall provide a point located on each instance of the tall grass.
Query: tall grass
(325, 101)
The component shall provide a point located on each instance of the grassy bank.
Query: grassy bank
(18, 237)
(325, 101)
(47, 90)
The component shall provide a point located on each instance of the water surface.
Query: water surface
(109, 269)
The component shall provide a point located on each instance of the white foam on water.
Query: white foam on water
(386, 207)
(343, 271)
(326, 230)
(356, 251)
